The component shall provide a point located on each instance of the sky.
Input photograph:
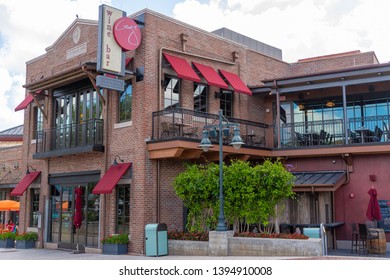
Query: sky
(300, 28)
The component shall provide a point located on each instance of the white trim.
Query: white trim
(123, 124)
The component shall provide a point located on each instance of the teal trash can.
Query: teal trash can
(312, 232)
(156, 240)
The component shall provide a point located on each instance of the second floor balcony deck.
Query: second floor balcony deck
(73, 138)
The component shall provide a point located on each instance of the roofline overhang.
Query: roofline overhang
(72, 74)
(346, 77)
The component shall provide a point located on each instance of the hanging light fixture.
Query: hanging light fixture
(330, 104)
(301, 106)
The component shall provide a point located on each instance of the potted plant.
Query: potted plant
(115, 244)
(26, 240)
(7, 239)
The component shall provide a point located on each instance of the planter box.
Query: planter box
(114, 249)
(7, 243)
(25, 244)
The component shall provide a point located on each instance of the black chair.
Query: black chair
(354, 239)
(366, 240)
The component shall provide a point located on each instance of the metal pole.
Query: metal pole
(221, 217)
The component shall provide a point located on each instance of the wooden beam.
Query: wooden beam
(166, 153)
(191, 154)
(92, 78)
(39, 105)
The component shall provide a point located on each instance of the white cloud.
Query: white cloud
(301, 28)
(27, 28)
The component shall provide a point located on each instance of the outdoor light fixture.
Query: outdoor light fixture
(115, 162)
(222, 129)
(330, 104)
(28, 169)
(205, 144)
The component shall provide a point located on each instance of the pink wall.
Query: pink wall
(347, 209)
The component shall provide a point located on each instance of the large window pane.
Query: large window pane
(171, 93)
(200, 97)
(125, 103)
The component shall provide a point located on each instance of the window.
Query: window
(38, 121)
(125, 103)
(123, 209)
(171, 92)
(34, 207)
(78, 116)
(226, 102)
(200, 97)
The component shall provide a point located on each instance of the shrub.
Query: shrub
(193, 236)
(7, 235)
(27, 236)
(116, 239)
(271, 235)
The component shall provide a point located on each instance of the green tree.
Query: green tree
(251, 193)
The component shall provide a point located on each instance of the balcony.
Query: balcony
(177, 132)
(362, 130)
(74, 138)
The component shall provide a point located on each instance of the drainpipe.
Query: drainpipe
(277, 125)
(345, 114)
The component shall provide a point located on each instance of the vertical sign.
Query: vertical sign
(111, 58)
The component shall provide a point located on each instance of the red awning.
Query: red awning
(25, 183)
(29, 98)
(235, 81)
(23, 105)
(111, 178)
(182, 68)
(211, 76)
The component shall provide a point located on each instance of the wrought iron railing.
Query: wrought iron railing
(73, 135)
(331, 132)
(179, 123)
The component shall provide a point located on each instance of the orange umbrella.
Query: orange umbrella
(9, 205)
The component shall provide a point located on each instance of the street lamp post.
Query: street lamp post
(205, 144)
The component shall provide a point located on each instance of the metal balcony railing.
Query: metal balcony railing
(178, 123)
(373, 129)
(73, 135)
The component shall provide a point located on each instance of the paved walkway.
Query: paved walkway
(54, 254)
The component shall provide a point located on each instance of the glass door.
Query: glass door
(66, 214)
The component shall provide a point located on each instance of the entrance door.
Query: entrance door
(70, 237)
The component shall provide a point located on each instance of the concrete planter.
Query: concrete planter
(7, 243)
(224, 244)
(25, 244)
(114, 249)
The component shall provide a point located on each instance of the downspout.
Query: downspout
(345, 114)
(102, 222)
(277, 125)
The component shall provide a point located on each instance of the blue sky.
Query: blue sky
(301, 28)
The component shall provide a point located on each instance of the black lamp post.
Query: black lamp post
(205, 144)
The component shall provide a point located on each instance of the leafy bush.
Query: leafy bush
(27, 236)
(271, 235)
(116, 239)
(7, 235)
(193, 236)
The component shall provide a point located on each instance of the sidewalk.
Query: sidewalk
(55, 254)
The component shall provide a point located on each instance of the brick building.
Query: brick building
(123, 149)
(11, 141)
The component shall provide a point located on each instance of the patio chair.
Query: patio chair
(354, 239)
(168, 129)
(377, 134)
(386, 131)
(366, 239)
(191, 132)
